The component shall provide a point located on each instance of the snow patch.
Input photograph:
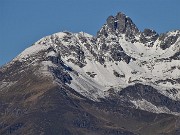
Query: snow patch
(147, 106)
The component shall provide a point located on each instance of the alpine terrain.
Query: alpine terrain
(123, 81)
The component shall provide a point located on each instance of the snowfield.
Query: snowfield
(112, 60)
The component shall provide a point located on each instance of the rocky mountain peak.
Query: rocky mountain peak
(122, 82)
(119, 24)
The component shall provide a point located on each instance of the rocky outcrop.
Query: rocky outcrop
(119, 24)
(148, 37)
(168, 39)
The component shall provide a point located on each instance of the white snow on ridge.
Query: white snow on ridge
(148, 68)
(94, 80)
(147, 106)
(34, 49)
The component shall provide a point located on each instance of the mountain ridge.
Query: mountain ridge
(121, 70)
(87, 48)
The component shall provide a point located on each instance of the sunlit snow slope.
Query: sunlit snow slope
(118, 57)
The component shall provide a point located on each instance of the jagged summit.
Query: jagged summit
(122, 25)
(119, 24)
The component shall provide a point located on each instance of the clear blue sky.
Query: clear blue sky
(22, 22)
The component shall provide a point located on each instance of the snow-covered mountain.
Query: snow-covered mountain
(138, 70)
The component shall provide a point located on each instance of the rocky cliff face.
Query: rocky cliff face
(121, 82)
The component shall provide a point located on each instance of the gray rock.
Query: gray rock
(111, 23)
(121, 21)
(167, 41)
(148, 37)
